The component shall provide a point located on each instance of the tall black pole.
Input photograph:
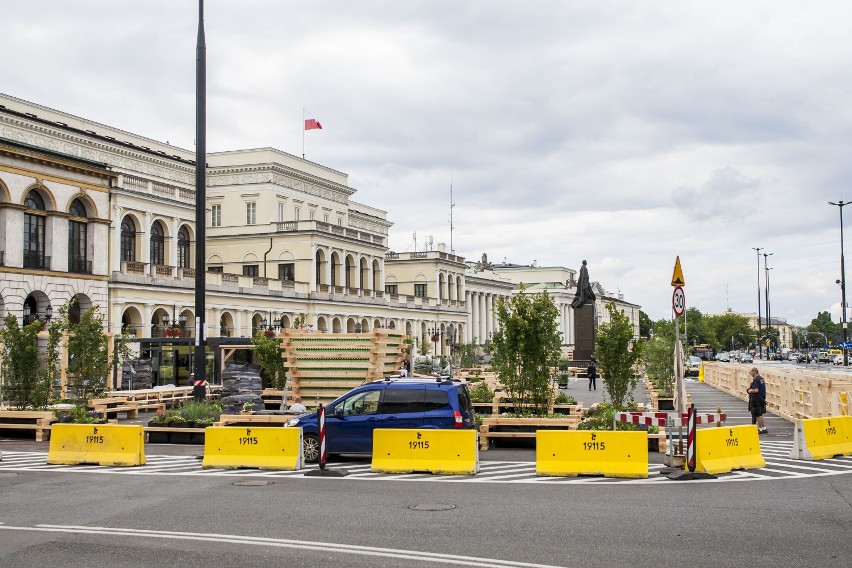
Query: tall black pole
(840, 204)
(768, 321)
(759, 316)
(200, 359)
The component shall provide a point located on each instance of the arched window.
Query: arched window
(34, 217)
(183, 248)
(158, 244)
(77, 239)
(128, 240)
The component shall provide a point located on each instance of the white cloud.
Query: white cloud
(622, 132)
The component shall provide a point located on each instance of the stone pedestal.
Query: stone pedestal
(584, 332)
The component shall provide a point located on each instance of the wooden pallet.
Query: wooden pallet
(253, 419)
(36, 420)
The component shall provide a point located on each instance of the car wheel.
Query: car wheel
(311, 448)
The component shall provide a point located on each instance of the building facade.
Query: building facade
(107, 217)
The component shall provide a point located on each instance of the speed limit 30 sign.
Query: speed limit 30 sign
(678, 301)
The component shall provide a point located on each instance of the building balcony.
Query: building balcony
(36, 260)
(79, 265)
(322, 227)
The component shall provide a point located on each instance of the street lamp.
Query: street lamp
(768, 316)
(759, 329)
(840, 205)
(48, 313)
(165, 320)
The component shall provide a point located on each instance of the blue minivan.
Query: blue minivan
(390, 403)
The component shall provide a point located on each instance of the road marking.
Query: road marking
(396, 553)
(777, 454)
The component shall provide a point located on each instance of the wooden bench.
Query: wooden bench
(486, 432)
(256, 419)
(37, 420)
(110, 407)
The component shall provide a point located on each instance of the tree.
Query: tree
(823, 324)
(645, 324)
(617, 357)
(658, 355)
(89, 362)
(468, 354)
(24, 384)
(270, 356)
(524, 348)
(729, 331)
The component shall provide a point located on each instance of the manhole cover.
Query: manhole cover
(431, 507)
(252, 483)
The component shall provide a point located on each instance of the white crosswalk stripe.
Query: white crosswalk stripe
(777, 455)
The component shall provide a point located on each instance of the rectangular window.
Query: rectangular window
(420, 290)
(391, 289)
(325, 218)
(403, 400)
(312, 215)
(340, 222)
(250, 270)
(216, 216)
(219, 269)
(77, 261)
(287, 271)
(436, 399)
(251, 213)
(297, 214)
(280, 212)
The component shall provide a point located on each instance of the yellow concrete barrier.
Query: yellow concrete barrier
(429, 451)
(231, 447)
(102, 444)
(822, 438)
(720, 450)
(569, 453)
(701, 373)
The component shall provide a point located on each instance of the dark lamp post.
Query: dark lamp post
(48, 313)
(182, 319)
(759, 328)
(165, 319)
(840, 205)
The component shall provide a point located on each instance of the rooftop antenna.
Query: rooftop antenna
(414, 234)
(452, 250)
(429, 242)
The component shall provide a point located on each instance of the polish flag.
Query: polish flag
(311, 123)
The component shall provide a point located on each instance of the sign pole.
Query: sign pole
(690, 445)
(323, 456)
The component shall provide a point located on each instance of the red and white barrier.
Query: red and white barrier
(660, 418)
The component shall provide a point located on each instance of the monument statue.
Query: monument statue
(584, 293)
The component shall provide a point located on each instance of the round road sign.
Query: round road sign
(678, 301)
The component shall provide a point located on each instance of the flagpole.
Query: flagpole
(303, 133)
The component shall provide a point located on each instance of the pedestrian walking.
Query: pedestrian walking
(592, 373)
(757, 400)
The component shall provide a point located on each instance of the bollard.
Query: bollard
(690, 440)
(322, 471)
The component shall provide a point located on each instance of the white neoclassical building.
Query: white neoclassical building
(91, 212)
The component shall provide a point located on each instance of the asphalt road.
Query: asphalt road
(203, 521)
(124, 518)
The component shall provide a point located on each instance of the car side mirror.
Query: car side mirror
(338, 413)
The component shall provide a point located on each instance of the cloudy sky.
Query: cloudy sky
(621, 132)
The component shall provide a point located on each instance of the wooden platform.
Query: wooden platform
(253, 419)
(37, 420)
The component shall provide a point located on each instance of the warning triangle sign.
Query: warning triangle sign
(677, 277)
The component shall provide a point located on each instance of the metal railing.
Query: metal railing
(79, 265)
(37, 260)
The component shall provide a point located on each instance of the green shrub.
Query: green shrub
(600, 418)
(78, 415)
(481, 393)
(563, 398)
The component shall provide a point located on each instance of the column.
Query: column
(489, 321)
(467, 310)
(483, 314)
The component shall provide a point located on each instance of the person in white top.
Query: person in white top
(403, 372)
(297, 405)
